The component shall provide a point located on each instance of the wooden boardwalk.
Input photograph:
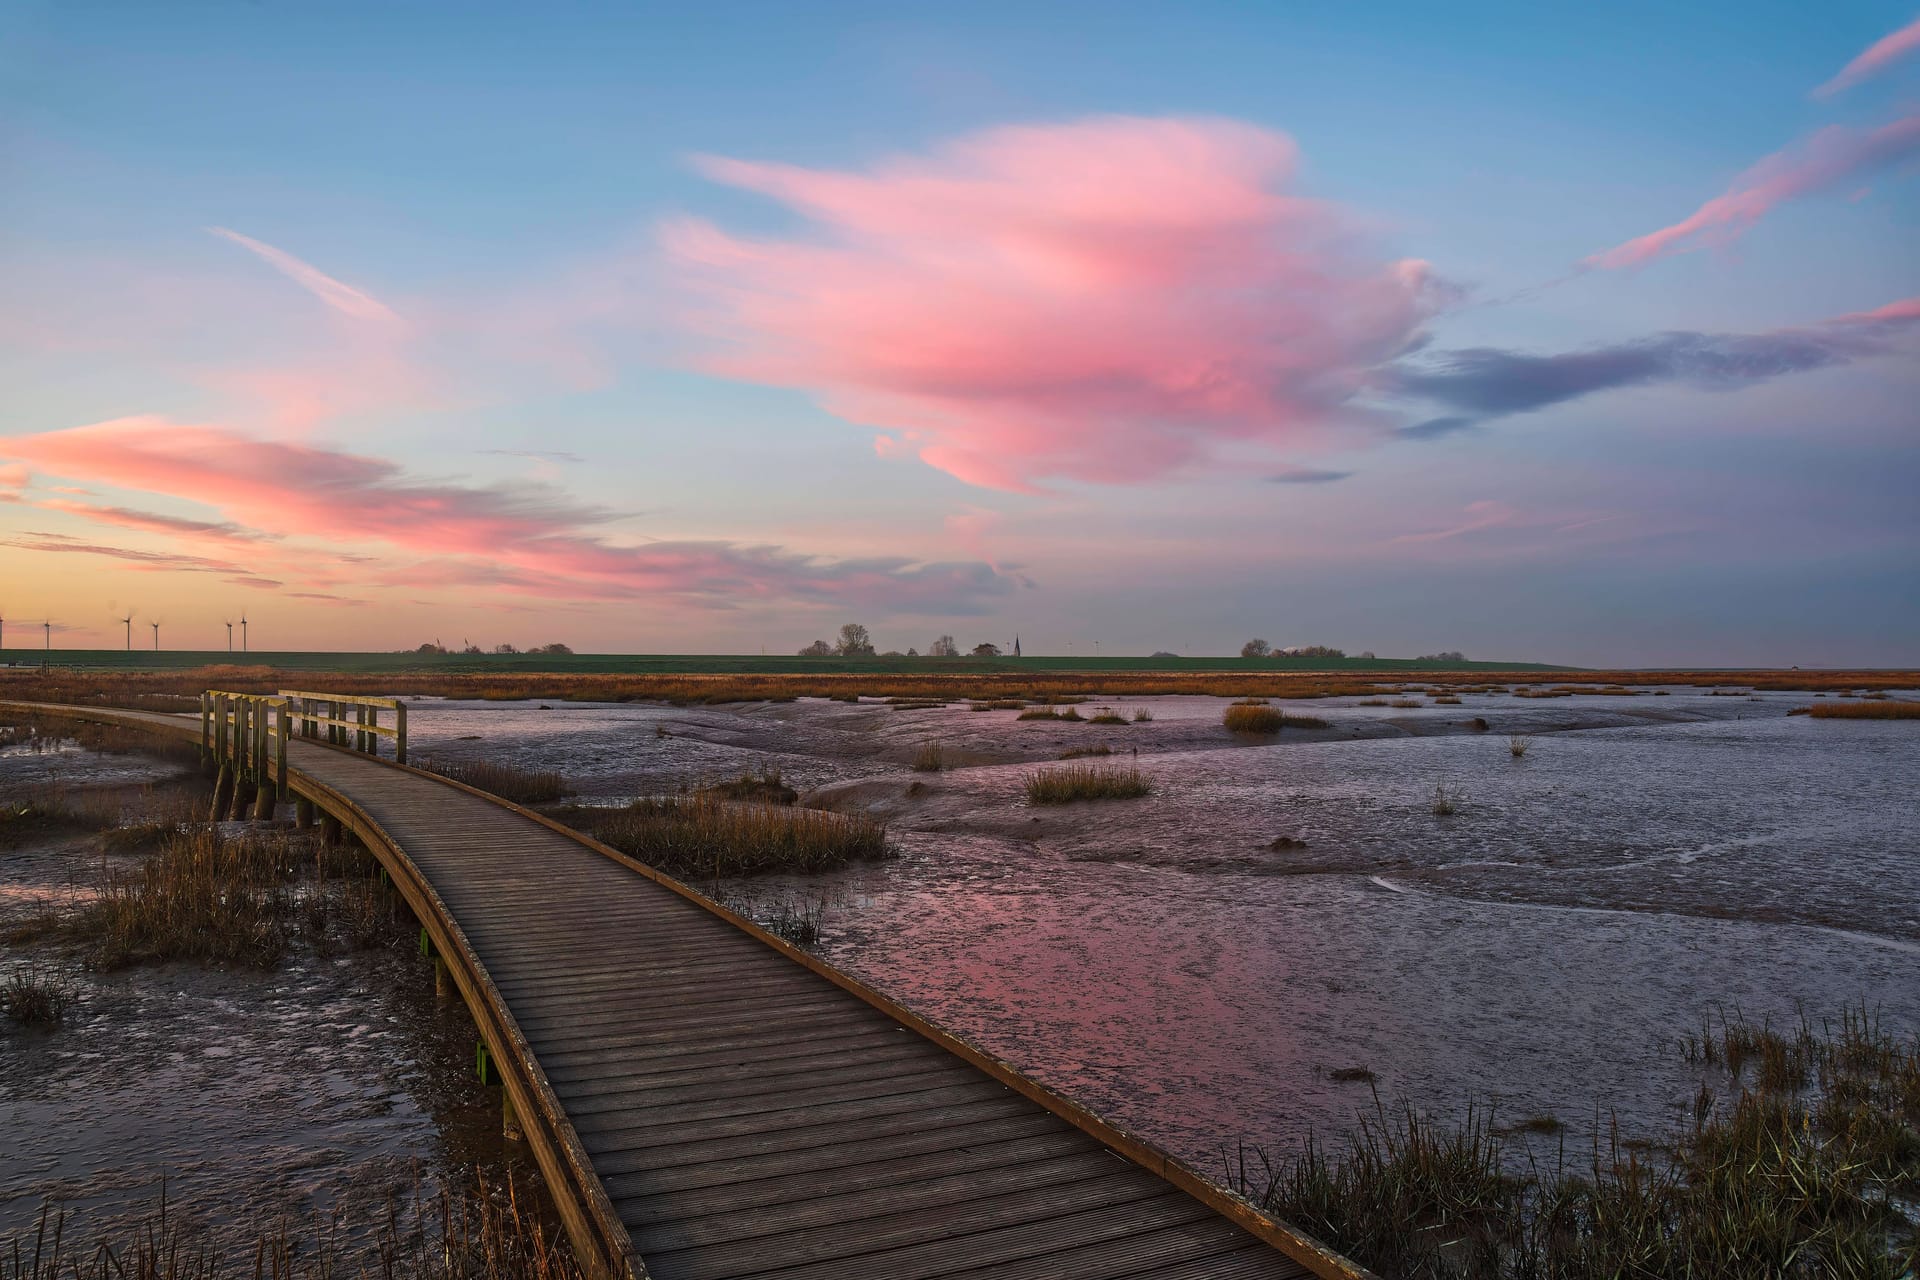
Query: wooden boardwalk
(714, 1104)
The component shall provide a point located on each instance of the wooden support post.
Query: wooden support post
(510, 1128)
(442, 979)
(373, 722)
(302, 812)
(329, 829)
(362, 739)
(280, 748)
(220, 729)
(206, 733)
(222, 793)
(263, 804)
(399, 732)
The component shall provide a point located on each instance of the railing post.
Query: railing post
(281, 748)
(399, 731)
(220, 727)
(206, 730)
(373, 724)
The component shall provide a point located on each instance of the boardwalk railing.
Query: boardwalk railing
(347, 720)
(241, 732)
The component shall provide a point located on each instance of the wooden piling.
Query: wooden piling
(302, 812)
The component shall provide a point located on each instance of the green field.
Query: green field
(704, 664)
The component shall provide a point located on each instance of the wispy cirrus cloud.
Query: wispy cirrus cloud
(153, 522)
(1877, 57)
(528, 538)
(1102, 301)
(342, 297)
(1487, 382)
(1833, 157)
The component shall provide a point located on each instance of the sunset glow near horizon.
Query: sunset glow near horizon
(1551, 336)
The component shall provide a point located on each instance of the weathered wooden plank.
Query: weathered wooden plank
(1024, 1221)
(933, 1195)
(667, 1139)
(625, 1148)
(747, 1197)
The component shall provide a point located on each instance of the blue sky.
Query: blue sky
(504, 184)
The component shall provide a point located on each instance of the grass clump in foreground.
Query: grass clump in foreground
(233, 900)
(1086, 782)
(704, 836)
(1888, 709)
(32, 999)
(930, 758)
(486, 1231)
(522, 786)
(1786, 1174)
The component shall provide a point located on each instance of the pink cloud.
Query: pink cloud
(1102, 301)
(528, 538)
(1830, 158)
(152, 522)
(1877, 57)
(342, 297)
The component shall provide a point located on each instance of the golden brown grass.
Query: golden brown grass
(931, 757)
(522, 786)
(180, 690)
(1253, 718)
(1086, 782)
(703, 836)
(1890, 709)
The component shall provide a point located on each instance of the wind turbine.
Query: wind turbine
(127, 622)
(229, 635)
(243, 633)
(156, 634)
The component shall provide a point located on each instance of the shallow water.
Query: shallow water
(324, 1088)
(1649, 859)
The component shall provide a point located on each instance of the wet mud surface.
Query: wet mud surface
(1542, 947)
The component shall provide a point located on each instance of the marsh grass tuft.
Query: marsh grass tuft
(34, 998)
(1244, 717)
(766, 787)
(1446, 800)
(1076, 753)
(1106, 715)
(1518, 744)
(1086, 782)
(930, 758)
(522, 786)
(1791, 1176)
(1143, 715)
(1049, 713)
(700, 836)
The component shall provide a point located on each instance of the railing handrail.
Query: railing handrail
(305, 714)
(356, 699)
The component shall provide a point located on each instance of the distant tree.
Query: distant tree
(987, 650)
(504, 648)
(431, 646)
(556, 649)
(913, 653)
(472, 648)
(1317, 651)
(944, 647)
(1366, 655)
(854, 642)
(818, 649)
(1255, 648)
(1162, 653)
(1450, 655)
